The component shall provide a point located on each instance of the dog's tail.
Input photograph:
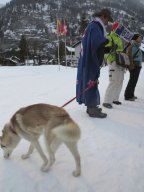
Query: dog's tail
(69, 132)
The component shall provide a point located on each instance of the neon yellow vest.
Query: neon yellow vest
(113, 39)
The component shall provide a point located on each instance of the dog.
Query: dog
(31, 122)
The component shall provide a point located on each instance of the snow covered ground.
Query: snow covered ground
(112, 149)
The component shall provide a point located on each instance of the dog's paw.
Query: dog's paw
(76, 173)
(25, 156)
(52, 160)
(45, 167)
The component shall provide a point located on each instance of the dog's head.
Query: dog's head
(8, 140)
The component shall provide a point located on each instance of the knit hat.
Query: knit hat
(104, 12)
(136, 35)
(114, 26)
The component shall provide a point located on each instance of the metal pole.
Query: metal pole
(58, 35)
(71, 53)
(65, 46)
(58, 53)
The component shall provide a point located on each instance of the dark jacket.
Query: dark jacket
(91, 58)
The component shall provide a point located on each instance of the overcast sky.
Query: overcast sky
(4, 1)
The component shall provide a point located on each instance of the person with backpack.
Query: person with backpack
(91, 58)
(135, 54)
(116, 72)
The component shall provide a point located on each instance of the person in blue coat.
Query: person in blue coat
(90, 61)
(135, 54)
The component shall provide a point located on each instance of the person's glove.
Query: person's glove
(131, 67)
(92, 83)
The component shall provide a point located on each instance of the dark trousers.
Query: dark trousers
(134, 75)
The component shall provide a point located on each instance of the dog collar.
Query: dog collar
(13, 130)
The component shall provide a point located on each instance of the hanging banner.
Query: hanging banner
(124, 33)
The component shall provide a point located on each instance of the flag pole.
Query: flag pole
(65, 43)
(71, 46)
(58, 34)
(71, 54)
(58, 53)
(65, 53)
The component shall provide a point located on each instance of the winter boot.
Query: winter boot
(96, 112)
(107, 105)
(117, 102)
(99, 109)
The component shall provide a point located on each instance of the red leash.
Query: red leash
(91, 84)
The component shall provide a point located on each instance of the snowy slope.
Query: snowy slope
(112, 149)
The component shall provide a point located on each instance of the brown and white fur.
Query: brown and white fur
(32, 121)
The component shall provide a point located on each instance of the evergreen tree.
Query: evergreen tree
(83, 23)
(61, 50)
(24, 52)
(1, 34)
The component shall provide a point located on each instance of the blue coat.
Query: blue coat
(137, 54)
(91, 57)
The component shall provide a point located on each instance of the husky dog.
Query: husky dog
(32, 121)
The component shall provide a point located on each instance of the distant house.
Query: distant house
(30, 62)
(7, 62)
(77, 50)
(70, 56)
(73, 54)
(15, 59)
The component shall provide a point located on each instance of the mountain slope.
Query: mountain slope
(37, 18)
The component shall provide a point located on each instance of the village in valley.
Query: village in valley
(49, 32)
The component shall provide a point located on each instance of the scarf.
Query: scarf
(102, 24)
(134, 43)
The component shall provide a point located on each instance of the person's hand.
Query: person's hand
(131, 67)
(92, 83)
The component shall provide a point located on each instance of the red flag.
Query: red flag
(61, 28)
(64, 30)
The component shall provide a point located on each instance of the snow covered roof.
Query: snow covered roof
(77, 43)
(70, 49)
